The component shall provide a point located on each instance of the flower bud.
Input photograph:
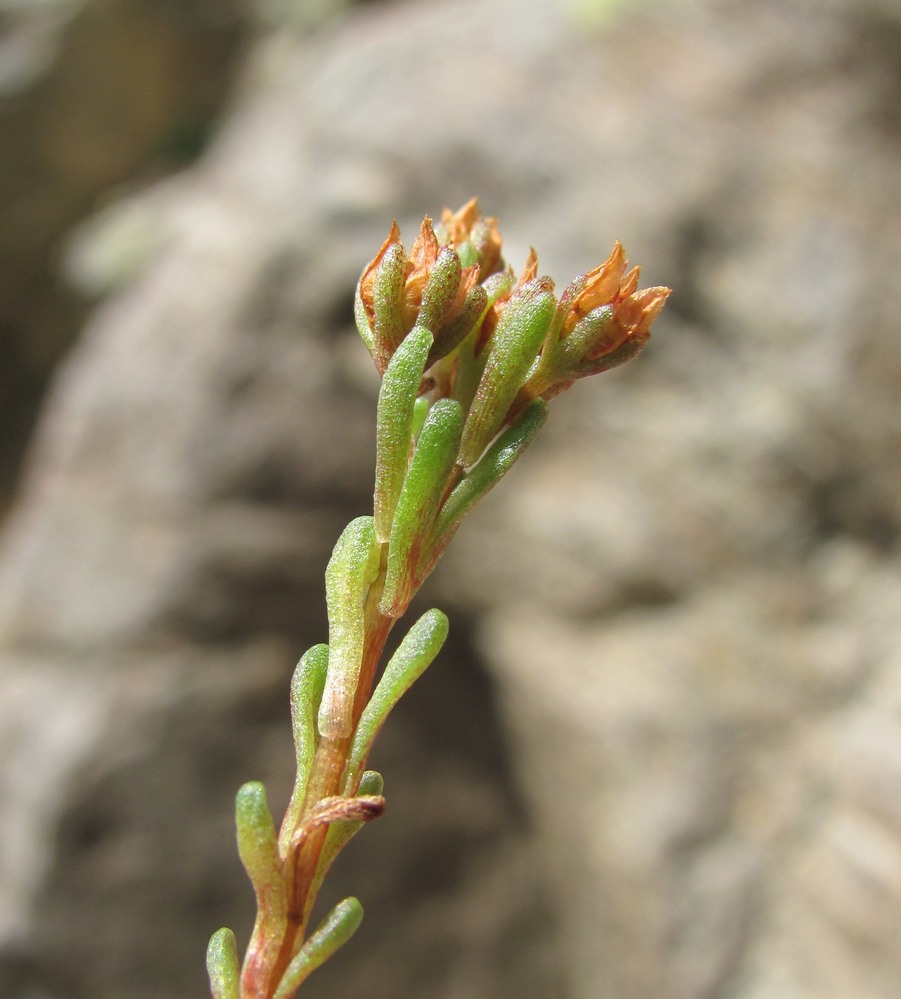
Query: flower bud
(628, 333)
(598, 287)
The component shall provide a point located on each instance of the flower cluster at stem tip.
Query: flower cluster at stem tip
(455, 284)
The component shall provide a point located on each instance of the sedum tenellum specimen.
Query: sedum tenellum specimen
(469, 355)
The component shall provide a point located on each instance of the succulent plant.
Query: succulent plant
(469, 355)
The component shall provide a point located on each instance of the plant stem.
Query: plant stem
(325, 781)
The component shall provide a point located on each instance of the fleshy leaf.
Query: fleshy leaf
(460, 326)
(420, 412)
(363, 328)
(481, 478)
(471, 359)
(588, 335)
(258, 850)
(351, 569)
(307, 685)
(394, 425)
(513, 350)
(414, 655)
(440, 290)
(421, 494)
(222, 965)
(333, 932)
(387, 304)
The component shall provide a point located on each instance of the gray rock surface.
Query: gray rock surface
(661, 758)
(93, 94)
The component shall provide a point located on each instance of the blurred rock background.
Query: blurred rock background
(95, 95)
(661, 756)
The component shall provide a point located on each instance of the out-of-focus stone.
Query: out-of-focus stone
(93, 94)
(689, 586)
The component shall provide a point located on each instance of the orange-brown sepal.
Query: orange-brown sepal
(602, 321)
(476, 238)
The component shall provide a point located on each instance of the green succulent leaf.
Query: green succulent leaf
(395, 425)
(470, 365)
(222, 965)
(514, 348)
(420, 412)
(481, 479)
(588, 335)
(352, 568)
(258, 850)
(307, 685)
(421, 494)
(333, 932)
(256, 838)
(625, 352)
(460, 326)
(387, 294)
(440, 290)
(414, 655)
(362, 321)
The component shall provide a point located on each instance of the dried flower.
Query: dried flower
(431, 287)
(477, 239)
(602, 321)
